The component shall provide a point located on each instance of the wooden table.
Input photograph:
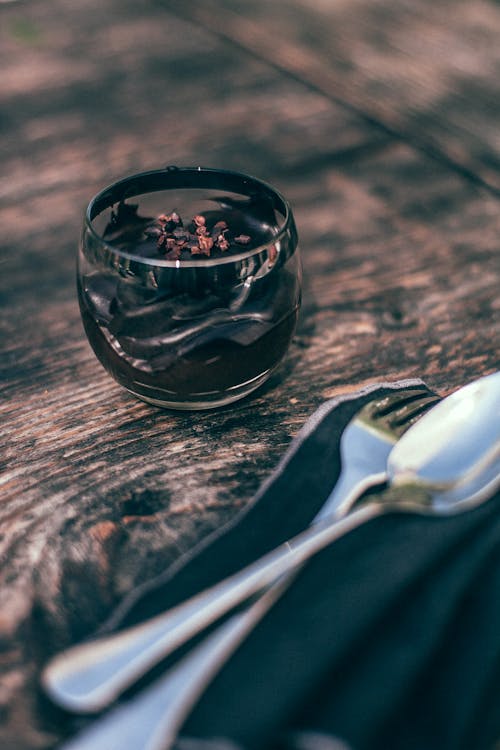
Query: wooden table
(378, 120)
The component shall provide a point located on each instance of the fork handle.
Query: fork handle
(152, 719)
(90, 676)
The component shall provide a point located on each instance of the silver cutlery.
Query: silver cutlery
(89, 677)
(426, 476)
(152, 719)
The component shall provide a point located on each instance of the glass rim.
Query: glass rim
(119, 188)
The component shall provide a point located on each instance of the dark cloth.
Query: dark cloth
(389, 638)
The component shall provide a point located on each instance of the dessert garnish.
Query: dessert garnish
(204, 235)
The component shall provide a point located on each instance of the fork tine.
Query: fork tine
(393, 401)
(366, 443)
(395, 413)
(408, 412)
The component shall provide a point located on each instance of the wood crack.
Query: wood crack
(310, 69)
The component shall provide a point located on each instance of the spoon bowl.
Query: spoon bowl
(453, 452)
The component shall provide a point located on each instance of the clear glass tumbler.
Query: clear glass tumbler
(189, 284)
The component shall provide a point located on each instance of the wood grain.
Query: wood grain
(99, 491)
(427, 73)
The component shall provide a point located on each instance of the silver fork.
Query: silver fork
(90, 676)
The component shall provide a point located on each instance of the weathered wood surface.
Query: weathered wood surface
(423, 71)
(383, 135)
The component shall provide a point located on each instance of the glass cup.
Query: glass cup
(189, 284)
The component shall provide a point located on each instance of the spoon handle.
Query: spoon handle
(90, 676)
(152, 719)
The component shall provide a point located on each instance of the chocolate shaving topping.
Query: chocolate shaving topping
(242, 239)
(172, 236)
(201, 236)
(205, 244)
(220, 226)
(222, 243)
(180, 234)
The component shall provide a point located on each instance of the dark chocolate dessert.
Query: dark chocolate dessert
(187, 331)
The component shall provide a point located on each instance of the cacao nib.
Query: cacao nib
(203, 235)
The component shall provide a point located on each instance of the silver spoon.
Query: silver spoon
(451, 448)
(425, 476)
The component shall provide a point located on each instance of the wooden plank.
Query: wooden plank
(100, 491)
(426, 72)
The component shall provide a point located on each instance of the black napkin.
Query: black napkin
(389, 638)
